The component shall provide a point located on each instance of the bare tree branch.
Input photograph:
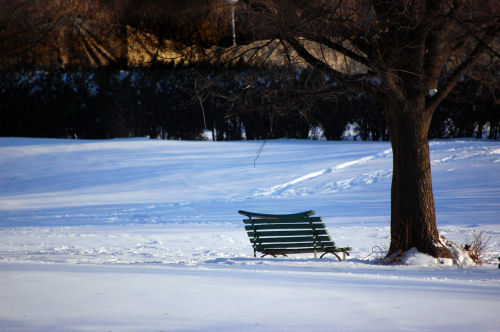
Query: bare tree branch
(461, 70)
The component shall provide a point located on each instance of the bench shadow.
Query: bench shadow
(258, 260)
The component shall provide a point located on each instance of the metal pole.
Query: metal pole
(232, 20)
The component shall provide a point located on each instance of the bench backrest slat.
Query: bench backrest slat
(281, 220)
(302, 245)
(283, 239)
(289, 233)
(277, 216)
(285, 226)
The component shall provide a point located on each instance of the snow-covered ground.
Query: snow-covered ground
(144, 235)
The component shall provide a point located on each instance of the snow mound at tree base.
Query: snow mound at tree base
(416, 258)
(460, 256)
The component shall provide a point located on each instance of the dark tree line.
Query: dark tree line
(232, 103)
(471, 108)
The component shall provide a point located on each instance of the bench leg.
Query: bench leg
(266, 255)
(272, 255)
(331, 252)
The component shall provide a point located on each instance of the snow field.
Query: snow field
(143, 235)
(288, 298)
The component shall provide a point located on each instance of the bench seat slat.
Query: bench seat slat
(285, 226)
(301, 251)
(289, 233)
(292, 239)
(277, 221)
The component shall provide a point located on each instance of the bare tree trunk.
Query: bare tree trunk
(413, 217)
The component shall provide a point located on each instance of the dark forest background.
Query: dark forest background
(180, 103)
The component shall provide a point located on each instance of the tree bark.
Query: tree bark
(413, 217)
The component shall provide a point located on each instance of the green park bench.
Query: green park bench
(283, 234)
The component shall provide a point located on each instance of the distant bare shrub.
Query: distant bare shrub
(476, 247)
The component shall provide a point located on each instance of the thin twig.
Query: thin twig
(259, 151)
(201, 103)
(373, 251)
